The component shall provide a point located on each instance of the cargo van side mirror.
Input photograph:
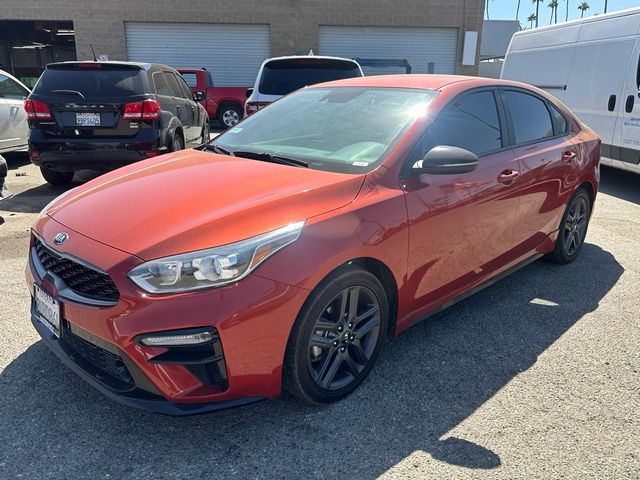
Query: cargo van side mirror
(446, 160)
(248, 93)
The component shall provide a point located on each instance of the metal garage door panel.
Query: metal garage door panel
(417, 45)
(233, 53)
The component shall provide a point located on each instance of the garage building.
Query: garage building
(231, 39)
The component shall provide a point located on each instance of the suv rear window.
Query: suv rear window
(91, 82)
(280, 77)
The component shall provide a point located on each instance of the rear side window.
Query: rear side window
(11, 89)
(280, 77)
(530, 117)
(160, 84)
(560, 124)
(190, 78)
(91, 82)
(471, 122)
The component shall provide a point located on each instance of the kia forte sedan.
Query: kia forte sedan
(284, 253)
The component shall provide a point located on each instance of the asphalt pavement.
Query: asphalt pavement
(537, 376)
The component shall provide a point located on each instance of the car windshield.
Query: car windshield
(99, 82)
(340, 129)
(280, 77)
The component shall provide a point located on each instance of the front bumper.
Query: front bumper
(252, 320)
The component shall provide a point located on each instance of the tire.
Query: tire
(338, 358)
(573, 228)
(206, 129)
(56, 178)
(229, 114)
(177, 144)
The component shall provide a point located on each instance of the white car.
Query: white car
(593, 66)
(13, 122)
(280, 76)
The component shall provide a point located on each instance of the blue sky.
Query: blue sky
(506, 9)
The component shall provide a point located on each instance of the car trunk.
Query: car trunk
(88, 101)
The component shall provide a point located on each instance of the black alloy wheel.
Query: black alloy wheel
(573, 228)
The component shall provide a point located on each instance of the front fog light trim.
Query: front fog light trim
(178, 338)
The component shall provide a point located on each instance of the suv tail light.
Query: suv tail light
(145, 110)
(253, 107)
(37, 110)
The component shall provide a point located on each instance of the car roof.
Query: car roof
(422, 81)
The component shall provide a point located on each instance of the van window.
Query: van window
(100, 82)
(280, 77)
(11, 89)
(530, 117)
(471, 122)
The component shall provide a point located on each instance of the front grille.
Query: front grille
(83, 280)
(103, 360)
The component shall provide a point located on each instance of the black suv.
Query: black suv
(103, 115)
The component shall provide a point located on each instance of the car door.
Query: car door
(547, 159)
(626, 141)
(13, 118)
(461, 226)
(184, 107)
(192, 109)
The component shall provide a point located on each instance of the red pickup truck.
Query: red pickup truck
(225, 104)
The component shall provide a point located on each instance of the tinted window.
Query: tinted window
(184, 88)
(190, 78)
(92, 83)
(281, 77)
(160, 84)
(11, 89)
(471, 122)
(530, 116)
(174, 88)
(560, 124)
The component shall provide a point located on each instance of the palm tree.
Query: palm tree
(566, 17)
(583, 7)
(537, 2)
(553, 5)
(518, 10)
(605, 6)
(531, 18)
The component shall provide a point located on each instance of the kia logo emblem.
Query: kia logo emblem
(60, 238)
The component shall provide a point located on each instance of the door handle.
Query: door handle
(612, 103)
(628, 106)
(508, 176)
(568, 156)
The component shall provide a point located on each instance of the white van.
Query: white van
(282, 75)
(593, 66)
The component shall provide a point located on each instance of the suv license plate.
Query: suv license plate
(88, 119)
(48, 310)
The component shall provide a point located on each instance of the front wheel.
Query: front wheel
(573, 228)
(229, 115)
(337, 337)
(56, 178)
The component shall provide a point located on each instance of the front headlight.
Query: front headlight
(212, 267)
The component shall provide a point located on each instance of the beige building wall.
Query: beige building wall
(294, 24)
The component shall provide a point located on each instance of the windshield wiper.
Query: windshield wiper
(270, 157)
(69, 92)
(215, 148)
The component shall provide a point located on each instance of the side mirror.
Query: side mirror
(248, 93)
(199, 95)
(446, 160)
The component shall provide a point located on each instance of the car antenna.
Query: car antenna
(95, 59)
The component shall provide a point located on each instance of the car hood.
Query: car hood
(192, 200)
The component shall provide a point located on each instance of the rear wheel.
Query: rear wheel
(177, 143)
(573, 228)
(229, 115)
(56, 178)
(337, 337)
(206, 130)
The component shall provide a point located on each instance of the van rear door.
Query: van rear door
(626, 141)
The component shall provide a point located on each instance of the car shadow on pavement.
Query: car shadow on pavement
(427, 381)
(621, 184)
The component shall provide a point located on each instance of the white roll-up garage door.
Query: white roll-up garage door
(232, 53)
(419, 46)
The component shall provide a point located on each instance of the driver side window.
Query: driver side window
(470, 122)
